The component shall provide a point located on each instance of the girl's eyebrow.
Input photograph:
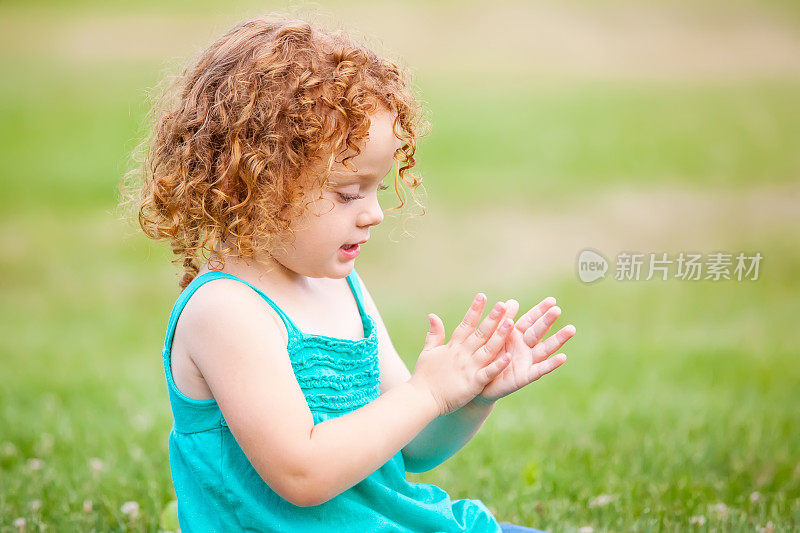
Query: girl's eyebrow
(353, 178)
(350, 178)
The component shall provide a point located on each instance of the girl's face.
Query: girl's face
(346, 211)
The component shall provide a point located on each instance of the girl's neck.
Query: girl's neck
(265, 271)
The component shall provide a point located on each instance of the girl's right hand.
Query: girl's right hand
(454, 373)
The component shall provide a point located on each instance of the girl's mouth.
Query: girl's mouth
(350, 251)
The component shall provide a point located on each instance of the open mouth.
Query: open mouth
(350, 251)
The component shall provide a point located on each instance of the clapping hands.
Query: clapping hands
(530, 354)
(487, 359)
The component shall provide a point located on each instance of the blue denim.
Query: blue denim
(506, 527)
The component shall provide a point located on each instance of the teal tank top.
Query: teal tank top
(218, 489)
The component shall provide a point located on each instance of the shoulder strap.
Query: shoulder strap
(355, 287)
(196, 283)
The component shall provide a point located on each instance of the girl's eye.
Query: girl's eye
(349, 197)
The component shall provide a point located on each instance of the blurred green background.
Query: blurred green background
(557, 126)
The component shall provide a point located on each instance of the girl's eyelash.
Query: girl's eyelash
(351, 197)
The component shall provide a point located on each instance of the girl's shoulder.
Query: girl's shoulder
(212, 301)
(217, 315)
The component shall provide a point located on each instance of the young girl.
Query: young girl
(292, 410)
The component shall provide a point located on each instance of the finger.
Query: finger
(435, 336)
(470, 320)
(488, 352)
(512, 308)
(553, 343)
(489, 372)
(545, 367)
(534, 334)
(527, 320)
(481, 334)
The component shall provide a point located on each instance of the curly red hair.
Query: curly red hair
(234, 133)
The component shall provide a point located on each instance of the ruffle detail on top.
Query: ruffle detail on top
(312, 360)
(366, 378)
(338, 374)
(343, 346)
(342, 402)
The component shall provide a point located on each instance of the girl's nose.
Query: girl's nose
(372, 213)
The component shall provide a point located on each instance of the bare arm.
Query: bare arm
(446, 434)
(241, 353)
(349, 448)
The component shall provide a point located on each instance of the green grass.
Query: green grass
(531, 139)
(675, 397)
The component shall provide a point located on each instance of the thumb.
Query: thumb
(435, 336)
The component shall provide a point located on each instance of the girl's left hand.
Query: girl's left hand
(529, 354)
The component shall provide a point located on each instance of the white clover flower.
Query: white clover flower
(136, 453)
(130, 508)
(36, 505)
(96, 464)
(601, 501)
(35, 463)
(142, 421)
(720, 508)
(699, 520)
(755, 497)
(8, 449)
(87, 506)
